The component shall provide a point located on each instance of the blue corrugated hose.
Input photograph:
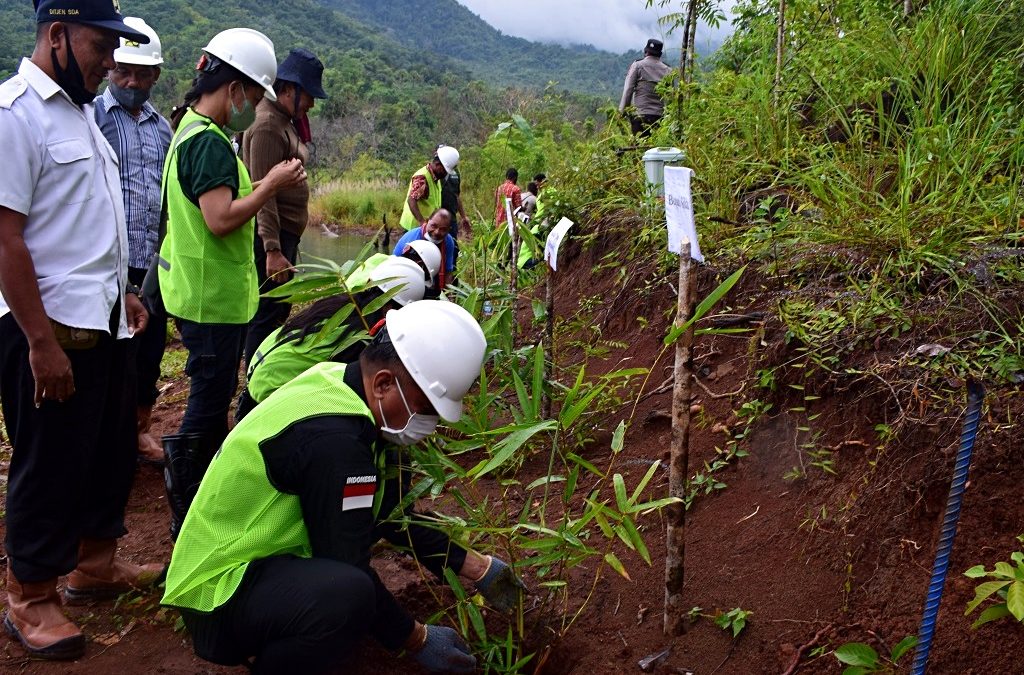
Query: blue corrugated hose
(975, 397)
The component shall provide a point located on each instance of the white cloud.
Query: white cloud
(614, 25)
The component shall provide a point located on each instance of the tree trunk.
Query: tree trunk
(780, 46)
(686, 57)
(675, 542)
(691, 42)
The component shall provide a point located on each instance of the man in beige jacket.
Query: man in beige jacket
(280, 132)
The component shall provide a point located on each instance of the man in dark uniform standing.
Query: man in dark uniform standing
(640, 89)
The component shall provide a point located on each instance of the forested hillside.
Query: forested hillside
(387, 101)
(445, 27)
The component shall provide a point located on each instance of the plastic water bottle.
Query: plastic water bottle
(488, 308)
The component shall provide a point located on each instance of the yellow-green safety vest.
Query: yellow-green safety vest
(205, 278)
(276, 363)
(360, 276)
(431, 203)
(238, 516)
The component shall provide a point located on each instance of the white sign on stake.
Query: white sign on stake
(508, 217)
(679, 211)
(555, 238)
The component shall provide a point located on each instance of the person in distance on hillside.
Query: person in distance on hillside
(435, 230)
(424, 194)
(296, 592)
(280, 133)
(66, 313)
(451, 201)
(509, 190)
(639, 91)
(140, 137)
(206, 270)
(530, 199)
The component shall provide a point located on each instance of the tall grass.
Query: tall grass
(357, 203)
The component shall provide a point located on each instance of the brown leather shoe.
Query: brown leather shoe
(34, 617)
(102, 576)
(150, 449)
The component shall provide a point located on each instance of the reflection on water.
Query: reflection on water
(341, 248)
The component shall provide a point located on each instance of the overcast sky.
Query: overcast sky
(615, 25)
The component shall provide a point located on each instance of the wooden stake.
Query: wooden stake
(549, 340)
(513, 278)
(675, 540)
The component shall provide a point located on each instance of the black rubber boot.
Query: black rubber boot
(186, 458)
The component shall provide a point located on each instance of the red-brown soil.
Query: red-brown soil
(826, 559)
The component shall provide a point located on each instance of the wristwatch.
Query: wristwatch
(133, 289)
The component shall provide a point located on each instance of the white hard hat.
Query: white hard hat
(403, 272)
(429, 253)
(248, 51)
(449, 157)
(442, 347)
(137, 54)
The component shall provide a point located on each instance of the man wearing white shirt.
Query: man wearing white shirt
(65, 316)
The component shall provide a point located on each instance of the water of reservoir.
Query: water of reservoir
(341, 248)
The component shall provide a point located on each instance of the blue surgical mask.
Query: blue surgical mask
(129, 99)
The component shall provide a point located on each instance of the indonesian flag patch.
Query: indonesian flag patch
(358, 493)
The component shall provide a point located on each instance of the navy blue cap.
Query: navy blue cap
(653, 47)
(104, 14)
(303, 68)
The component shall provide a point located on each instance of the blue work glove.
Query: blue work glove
(500, 586)
(445, 652)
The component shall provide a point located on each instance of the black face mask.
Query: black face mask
(71, 79)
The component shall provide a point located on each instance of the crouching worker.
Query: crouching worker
(292, 348)
(272, 565)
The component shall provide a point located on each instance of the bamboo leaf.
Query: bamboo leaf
(643, 482)
(637, 539)
(616, 565)
(544, 480)
(508, 446)
(576, 459)
(618, 437)
(621, 500)
(705, 306)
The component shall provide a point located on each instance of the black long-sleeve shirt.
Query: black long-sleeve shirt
(328, 462)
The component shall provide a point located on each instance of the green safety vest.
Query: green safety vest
(237, 515)
(360, 276)
(276, 363)
(203, 277)
(427, 206)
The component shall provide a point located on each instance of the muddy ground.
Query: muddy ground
(820, 560)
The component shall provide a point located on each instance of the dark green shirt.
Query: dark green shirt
(206, 162)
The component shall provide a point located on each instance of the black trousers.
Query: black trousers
(291, 615)
(73, 462)
(214, 350)
(641, 124)
(148, 347)
(271, 313)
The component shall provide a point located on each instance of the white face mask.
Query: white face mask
(436, 242)
(417, 428)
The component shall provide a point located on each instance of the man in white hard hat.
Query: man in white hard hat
(140, 136)
(424, 194)
(273, 561)
(66, 314)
